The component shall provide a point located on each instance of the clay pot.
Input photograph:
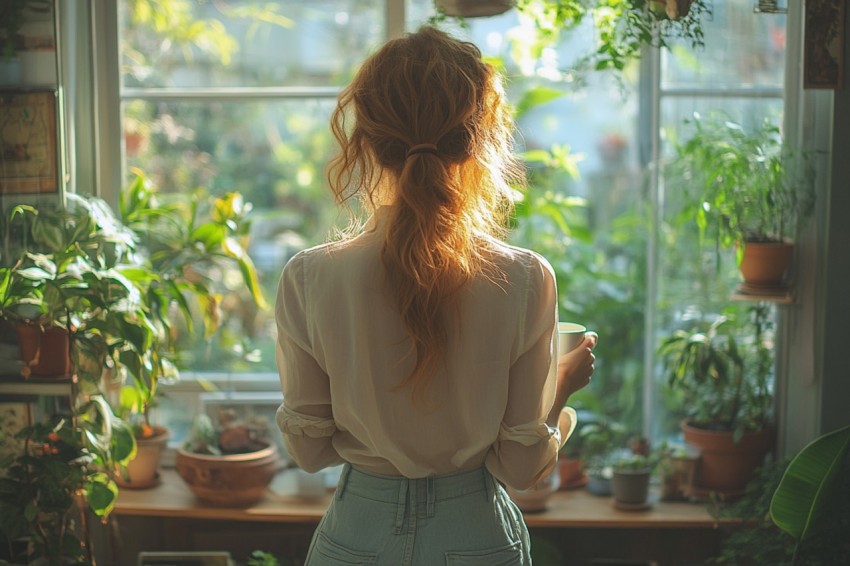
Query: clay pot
(473, 8)
(232, 480)
(571, 473)
(764, 264)
(52, 346)
(725, 467)
(143, 471)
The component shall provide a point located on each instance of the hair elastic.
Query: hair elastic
(422, 148)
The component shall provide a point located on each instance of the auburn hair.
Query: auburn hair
(430, 90)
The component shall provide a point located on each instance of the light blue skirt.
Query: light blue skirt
(464, 519)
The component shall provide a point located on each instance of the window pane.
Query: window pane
(271, 152)
(742, 48)
(244, 43)
(695, 282)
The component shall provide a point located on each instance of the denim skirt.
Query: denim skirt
(464, 519)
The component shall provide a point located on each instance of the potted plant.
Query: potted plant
(229, 464)
(795, 511)
(621, 27)
(722, 374)
(74, 275)
(182, 239)
(600, 442)
(745, 188)
(677, 465)
(62, 474)
(630, 481)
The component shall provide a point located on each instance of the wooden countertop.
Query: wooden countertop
(571, 508)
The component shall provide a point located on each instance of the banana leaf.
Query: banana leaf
(800, 501)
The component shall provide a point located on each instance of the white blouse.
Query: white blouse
(342, 349)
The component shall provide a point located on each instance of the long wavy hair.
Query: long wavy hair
(447, 196)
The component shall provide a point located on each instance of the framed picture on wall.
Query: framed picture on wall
(29, 149)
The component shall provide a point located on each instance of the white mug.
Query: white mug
(570, 335)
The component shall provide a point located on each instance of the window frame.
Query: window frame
(90, 79)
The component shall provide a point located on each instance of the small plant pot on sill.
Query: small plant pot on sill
(143, 471)
(599, 484)
(229, 480)
(630, 488)
(571, 473)
(678, 474)
(764, 264)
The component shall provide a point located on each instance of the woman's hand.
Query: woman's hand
(574, 371)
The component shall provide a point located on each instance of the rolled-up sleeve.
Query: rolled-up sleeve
(305, 418)
(527, 448)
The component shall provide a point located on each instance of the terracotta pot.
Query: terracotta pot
(473, 8)
(233, 480)
(51, 345)
(764, 264)
(630, 487)
(571, 473)
(725, 467)
(143, 470)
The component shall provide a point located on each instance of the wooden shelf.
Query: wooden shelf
(778, 295)
(55, 386)
(576, 508)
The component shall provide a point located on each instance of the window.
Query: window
(237, 96)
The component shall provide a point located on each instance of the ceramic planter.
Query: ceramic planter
(143, 471)
(725, 467)
(231, 480)
(571, 473)
(630, 488)
(473, 8)
(598, 484)
(764, 264)
(50, 345)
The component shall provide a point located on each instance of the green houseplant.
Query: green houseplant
(722, 373)
(61, 479)
(744, 188)
(621, 27)
(630, 481)
(183, 240)
(228, 463)
(600, 442)
(794, 512)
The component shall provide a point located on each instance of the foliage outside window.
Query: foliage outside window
(257, 86)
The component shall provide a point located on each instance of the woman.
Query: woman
(420, 350)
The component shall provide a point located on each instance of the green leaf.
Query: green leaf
(101, 493)
(536, 97)
(210, 235)
(123, 447)
(799, 502)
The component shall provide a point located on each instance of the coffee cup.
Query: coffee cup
(570, 335)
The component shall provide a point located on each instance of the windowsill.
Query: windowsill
(574, 508)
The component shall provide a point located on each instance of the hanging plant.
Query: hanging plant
(621, 27)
